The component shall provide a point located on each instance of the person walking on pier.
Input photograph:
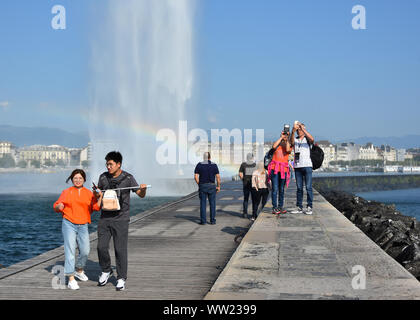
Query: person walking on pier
(114, 223)
(76, 204)
(245, 173)
(302, 165)
(279, 172)
(259, 192)
(205, 174)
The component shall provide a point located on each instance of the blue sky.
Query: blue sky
(258, 64)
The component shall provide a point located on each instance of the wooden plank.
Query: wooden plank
(170, 256)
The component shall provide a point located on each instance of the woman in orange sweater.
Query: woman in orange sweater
(76, 205)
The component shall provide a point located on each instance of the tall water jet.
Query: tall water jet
(142, 60)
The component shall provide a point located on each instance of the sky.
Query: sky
(258, 64)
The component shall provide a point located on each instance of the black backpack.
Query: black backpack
(269, 156)
(317, 156)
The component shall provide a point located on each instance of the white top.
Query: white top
(303, 153)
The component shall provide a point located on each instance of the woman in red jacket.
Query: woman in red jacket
(76, 205)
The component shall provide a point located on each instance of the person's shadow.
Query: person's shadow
(235, 230)
(189, 218)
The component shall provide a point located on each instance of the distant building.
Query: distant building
(369, 152)
(8, 148)
(408, 156)
(347, 151)
(400, 155)
(75, 156)
(53, 153)
(388, 153)
(330, 152)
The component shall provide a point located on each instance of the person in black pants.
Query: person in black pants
(114, 224)
(260, 189)
(245, 173)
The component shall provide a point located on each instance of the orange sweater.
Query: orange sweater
(78, 205)
(281, 155)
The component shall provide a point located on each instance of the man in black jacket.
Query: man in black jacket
(245, 173)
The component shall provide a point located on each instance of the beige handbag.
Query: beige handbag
(110, 201)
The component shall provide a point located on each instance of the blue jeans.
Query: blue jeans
(75, 234)
(304, 173)
(277, 193)
(207, 190)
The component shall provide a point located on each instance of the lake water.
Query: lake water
(29, 225)
(406, 201)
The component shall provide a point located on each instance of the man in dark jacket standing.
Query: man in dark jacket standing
(205, 174)
(245, 173)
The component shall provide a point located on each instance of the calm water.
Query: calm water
(406, 201)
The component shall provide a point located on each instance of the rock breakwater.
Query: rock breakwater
(397, 234)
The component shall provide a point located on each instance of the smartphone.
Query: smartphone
(94, 186)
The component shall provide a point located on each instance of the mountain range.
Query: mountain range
(26, 136)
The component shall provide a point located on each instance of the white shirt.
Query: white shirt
(302, 148)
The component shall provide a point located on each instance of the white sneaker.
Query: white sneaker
(73, 285)
(103, 279)
(308, 211)
(298, 210)
(81, 276)
(120, 285)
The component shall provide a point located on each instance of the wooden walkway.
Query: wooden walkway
(171, 256)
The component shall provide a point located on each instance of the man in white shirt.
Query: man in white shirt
(302, 165)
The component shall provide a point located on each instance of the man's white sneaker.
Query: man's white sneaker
(298, 210)
(81, 276)
(120, 285)
(103, 279)
(308, 210)
(73, 285)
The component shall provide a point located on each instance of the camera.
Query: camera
(286, 129)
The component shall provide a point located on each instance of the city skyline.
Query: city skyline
(335, 154)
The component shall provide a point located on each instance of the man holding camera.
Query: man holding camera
(302, 165)
(278, 170)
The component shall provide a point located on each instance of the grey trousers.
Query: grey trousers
(118, 230)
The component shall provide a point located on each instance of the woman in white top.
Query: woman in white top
(302, 165)
(260, 186)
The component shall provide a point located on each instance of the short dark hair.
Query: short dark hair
(76, 171)
(115, 156)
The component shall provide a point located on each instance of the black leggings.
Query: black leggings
(258, 197)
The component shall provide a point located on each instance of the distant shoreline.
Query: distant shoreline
(37, 170)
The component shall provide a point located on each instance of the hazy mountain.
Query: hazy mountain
(21, 136)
